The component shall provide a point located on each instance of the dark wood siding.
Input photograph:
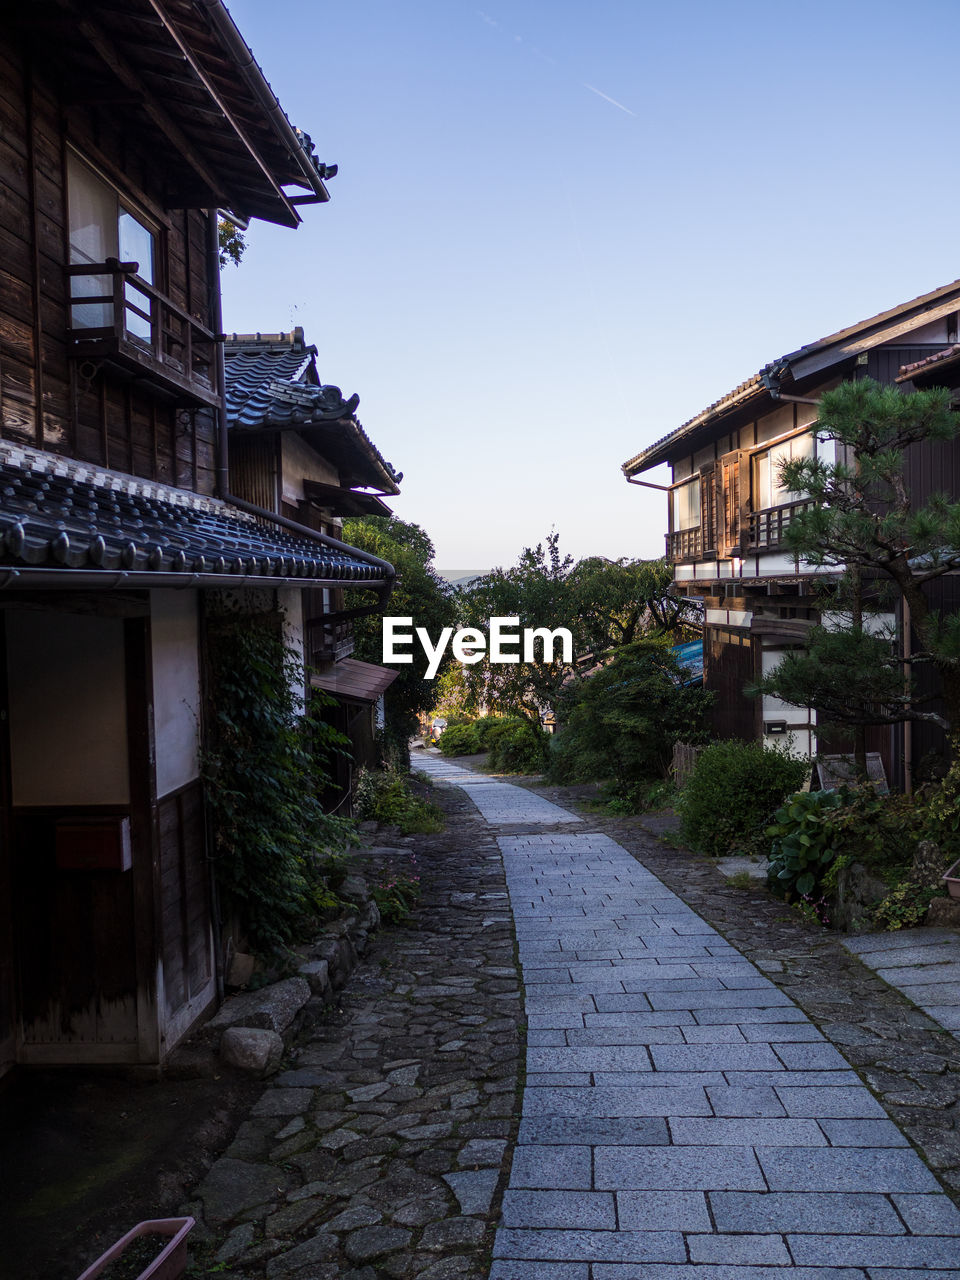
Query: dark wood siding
(184, 898)
(47, 400)
(254, 469)
(728, 667)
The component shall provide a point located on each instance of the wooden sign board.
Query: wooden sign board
(841, 771)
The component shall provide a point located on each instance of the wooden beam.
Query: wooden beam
(218, 98)
(110, 54)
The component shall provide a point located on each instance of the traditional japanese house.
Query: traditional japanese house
(297, 448)
(123, 130)
(727, 513)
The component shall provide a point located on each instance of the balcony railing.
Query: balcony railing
(766, 528)
(118, 317)
(327, 641)
(685, 544)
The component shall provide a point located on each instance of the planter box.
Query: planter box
(170, 1263)
(951, 878)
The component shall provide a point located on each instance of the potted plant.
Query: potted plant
(951, 878)
(135, 1257)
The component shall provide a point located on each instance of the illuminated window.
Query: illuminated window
(768, 490)
(686, 505)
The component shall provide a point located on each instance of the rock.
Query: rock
(251, 1049)
(233, 1186)
(239, 1239)
(474, 1188)
(271, 1008)
(370, 916)
(354, 889)
(319, 1248)
(317, 973)
(857, 890)
(373, 1242)
(929, 863)
(452, 1233)
(240, 969)
(944, 912)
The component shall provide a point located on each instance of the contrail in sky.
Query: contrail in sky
(613, 102)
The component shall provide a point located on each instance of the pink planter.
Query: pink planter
(951, 879)
(169, 1264)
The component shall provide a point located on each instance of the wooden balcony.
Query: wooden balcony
(119, 319)
(685, 544)
(766, 529)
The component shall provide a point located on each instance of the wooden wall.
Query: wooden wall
(45, 399)
(727, 669)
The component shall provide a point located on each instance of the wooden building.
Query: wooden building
(123, 130)
(727, 514)
(297, 448)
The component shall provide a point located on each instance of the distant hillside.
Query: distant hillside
(457, 577)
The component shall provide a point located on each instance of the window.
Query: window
(768, 491)
(101, 227)
(686, 505)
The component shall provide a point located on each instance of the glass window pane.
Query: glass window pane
(686, 506)
(138, 326)
(92, 215)
(136, 245)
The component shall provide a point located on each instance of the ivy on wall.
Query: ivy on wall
(265, 770)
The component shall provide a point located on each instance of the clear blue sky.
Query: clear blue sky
(560, 229)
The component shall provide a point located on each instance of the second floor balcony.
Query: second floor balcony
(766, 529)
(119, 318)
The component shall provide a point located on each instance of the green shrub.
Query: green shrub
(396, 894)
(621, 723)
(386, 797)
(518, 746)
(459, 740)
(732, 793)
(804, 841)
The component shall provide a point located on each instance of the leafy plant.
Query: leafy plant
(460, 740)
(803, 841)
(904, 906)
(385, 796)
(732, 792)
(396, 894)
(265, 769)
(519, 746)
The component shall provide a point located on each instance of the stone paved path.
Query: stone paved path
(922, 963)
(682, 1117)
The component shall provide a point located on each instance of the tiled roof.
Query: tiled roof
(756, 385)
(272, 384)
(939, 359)
(59, 514)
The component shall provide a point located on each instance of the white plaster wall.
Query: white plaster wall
(176, 688)
(68, 709)
(298, 463)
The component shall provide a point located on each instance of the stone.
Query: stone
(240, 969)
(858, 889)
(943, 912)
(272, 1008)
(239, 1239)
(251, 1049)
(319, 1248)
(474, 1189)
(929, 864)
(453, 1233)
(354, 888)
(373, 1242)
(234, 1186)
(317, 974)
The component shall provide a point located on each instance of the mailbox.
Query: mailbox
(93, 844)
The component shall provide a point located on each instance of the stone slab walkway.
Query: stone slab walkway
(922, 963)
(682, 1118)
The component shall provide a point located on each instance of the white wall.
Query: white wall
(176, 688)
(68, 709)
(290, 600)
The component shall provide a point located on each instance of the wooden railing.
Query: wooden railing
(766, 528)
(685, 544)
(327, 641)
(141, 329)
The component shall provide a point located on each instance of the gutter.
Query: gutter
(218, 17)
(136, 579)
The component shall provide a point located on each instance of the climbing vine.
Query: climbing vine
(265, 770)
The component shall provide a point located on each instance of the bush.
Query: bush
(732, 793)
(517, 746)
(459, 740)
(621, 723)
(386, 797)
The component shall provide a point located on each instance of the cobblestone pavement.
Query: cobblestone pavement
(922, 963)
(382, 1150)
(682, 1117)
